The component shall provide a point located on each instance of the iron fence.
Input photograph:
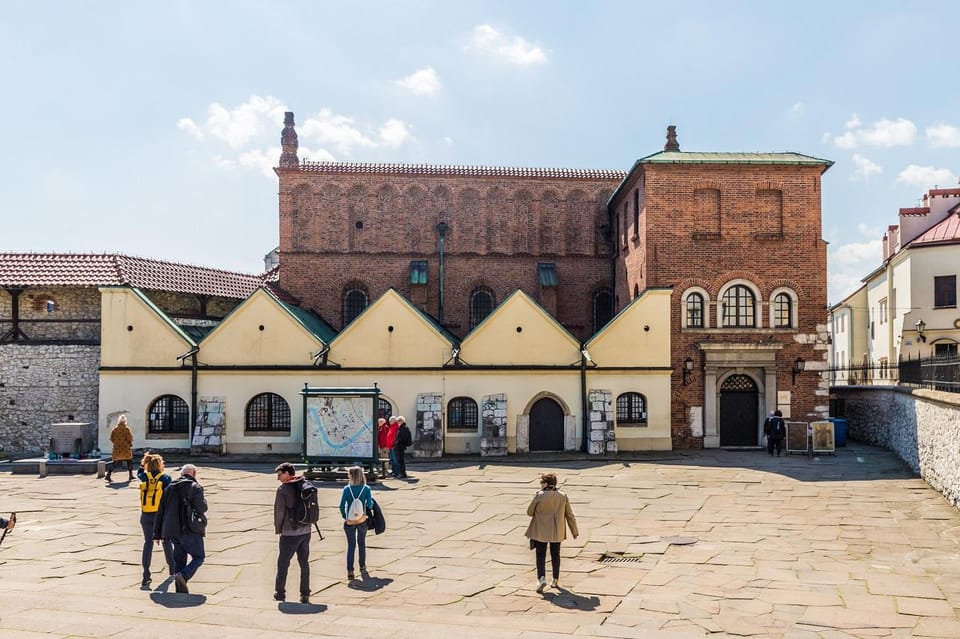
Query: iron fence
(936, 373)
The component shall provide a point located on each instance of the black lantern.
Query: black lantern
(798, 367)
(921, 325)
(687, 369)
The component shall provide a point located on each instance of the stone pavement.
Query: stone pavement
(850, 545)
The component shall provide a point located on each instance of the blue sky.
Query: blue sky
(150, 128)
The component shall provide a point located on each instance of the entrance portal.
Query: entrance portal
(739, 418)
(546, 426)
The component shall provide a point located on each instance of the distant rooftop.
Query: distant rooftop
(456, 170)
(696, 157)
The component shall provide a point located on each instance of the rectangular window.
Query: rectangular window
(883, 311)
(945, 291)
(636, 212)
(547, 272)
(418, 272)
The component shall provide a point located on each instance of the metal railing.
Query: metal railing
(936, 373)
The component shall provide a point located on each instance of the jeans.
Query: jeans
(356, 538)
(291, 545)
(540, 548)
(393, 462)
(184, 545)
(401, 462)
(774, 441)
(146, 523)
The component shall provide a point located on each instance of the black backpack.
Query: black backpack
(306, 507)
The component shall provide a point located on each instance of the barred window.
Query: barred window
(168, 414)
(782, 311)
(695, 310)
(354, 302)
(418, 272)
(384, 409)
(602, 309)
(481, 305)
(268, 413)
(739, 307)
(462, 414)
(631, 410)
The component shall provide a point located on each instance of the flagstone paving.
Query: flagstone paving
(850, 545)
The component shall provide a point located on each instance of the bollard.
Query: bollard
(101, 469)
(43, 467)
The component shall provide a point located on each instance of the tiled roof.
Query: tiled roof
(79, 269)
(946, 232)
(915, 210)
(688, 157)
(944, 192)
(456, 170)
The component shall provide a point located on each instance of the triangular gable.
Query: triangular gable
(135, 332)
(639, 335)
(520, 332)
(391, 332)
(287, 337)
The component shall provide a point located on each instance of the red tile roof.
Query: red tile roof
(79, 269)
(917, 210)
(946, 232)
(944, 192)
(459, 170)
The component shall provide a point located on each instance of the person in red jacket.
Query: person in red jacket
(392, 430)
(382, 436)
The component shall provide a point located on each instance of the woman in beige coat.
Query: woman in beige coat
(550, 514)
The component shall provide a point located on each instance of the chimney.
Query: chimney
(886, 248)
(672, 144)
(289, 143)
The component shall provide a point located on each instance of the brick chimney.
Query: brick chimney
(289, 143)
(672, 144)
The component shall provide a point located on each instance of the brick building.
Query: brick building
(736, 235)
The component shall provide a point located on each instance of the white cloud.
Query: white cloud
(422, 82)
(514, 50)
(865, 168)
(328, 128)
(320, 155)
(239, 125)
(395, 132)
(448, 140)
(943, 135)
(925, 177)
(188, 125)
(883, 133)
(850, 263)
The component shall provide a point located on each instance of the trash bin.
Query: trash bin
(839, 430)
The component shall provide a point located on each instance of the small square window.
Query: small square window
(418, 272)
(548, 274)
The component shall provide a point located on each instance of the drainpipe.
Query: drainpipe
(192, 354)
(442, 230)
(583, 399)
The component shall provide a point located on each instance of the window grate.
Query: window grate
(620, 558)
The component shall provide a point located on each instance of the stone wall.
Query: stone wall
(921, 426)
(428, 432)
(603, 437)
(494, 419)
(41, 384)
(61, 313)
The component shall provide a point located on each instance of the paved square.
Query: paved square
(850, 545)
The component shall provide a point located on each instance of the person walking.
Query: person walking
(183, 498)
(153, 482)
(775, 430)
(550, 514)
(294, 536)
(354, 524)
(403, 441)
(393, 426)
(122, 440)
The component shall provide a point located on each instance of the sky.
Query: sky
(151, 128)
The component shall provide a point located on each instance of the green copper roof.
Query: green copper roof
(315, 325)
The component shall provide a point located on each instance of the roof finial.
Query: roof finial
(672, 144)
(289, 143)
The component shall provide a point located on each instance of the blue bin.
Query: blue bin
(840, 427)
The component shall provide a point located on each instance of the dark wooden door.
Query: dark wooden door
(738, 412)
(546, 426)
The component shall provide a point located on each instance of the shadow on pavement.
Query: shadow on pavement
(369, 584)
(290, 608)
(177, 600)
(572, 601)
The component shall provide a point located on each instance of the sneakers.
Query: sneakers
(279, 596)
(108, 478)
(146, 582)
(555, 583)
(542, 584)
(181, 583)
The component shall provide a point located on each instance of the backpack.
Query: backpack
(150, 493)
(404, 439)
(191, 521)
(356, 511)
(306, 507)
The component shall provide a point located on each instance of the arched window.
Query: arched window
(267, 413)
(739, 307)
(168, 414)
(355, 300)
(602, 309)
(631, 410)
(481, 305)
(695, 310)
(462, 415)
(384, 408)
(782, 311)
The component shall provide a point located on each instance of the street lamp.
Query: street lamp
(798, 367)
(687, 369)
(920, 326)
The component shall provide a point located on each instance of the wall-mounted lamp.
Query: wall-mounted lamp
(798, 367)
(586, 355)
(687, 369)
(921, 325)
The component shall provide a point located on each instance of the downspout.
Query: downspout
(193, 394)
(442, 230)
(583, 399)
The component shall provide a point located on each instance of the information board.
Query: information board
(339, 424)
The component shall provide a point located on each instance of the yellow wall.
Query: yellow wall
(540, 342)
(152, 342)
(626, 342)
(134, 392)
(655, 387)
(239, 341)
(368, 340)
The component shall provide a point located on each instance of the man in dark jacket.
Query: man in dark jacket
(776, 430)
(404, 439)
(294, 536)
(180, 499)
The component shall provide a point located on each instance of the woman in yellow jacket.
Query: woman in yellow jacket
(550, 514)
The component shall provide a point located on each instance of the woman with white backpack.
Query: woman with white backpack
(354, 501)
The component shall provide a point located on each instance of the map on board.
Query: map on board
(339, 427)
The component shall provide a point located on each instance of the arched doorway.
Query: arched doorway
(546, 426)
(739, 416)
